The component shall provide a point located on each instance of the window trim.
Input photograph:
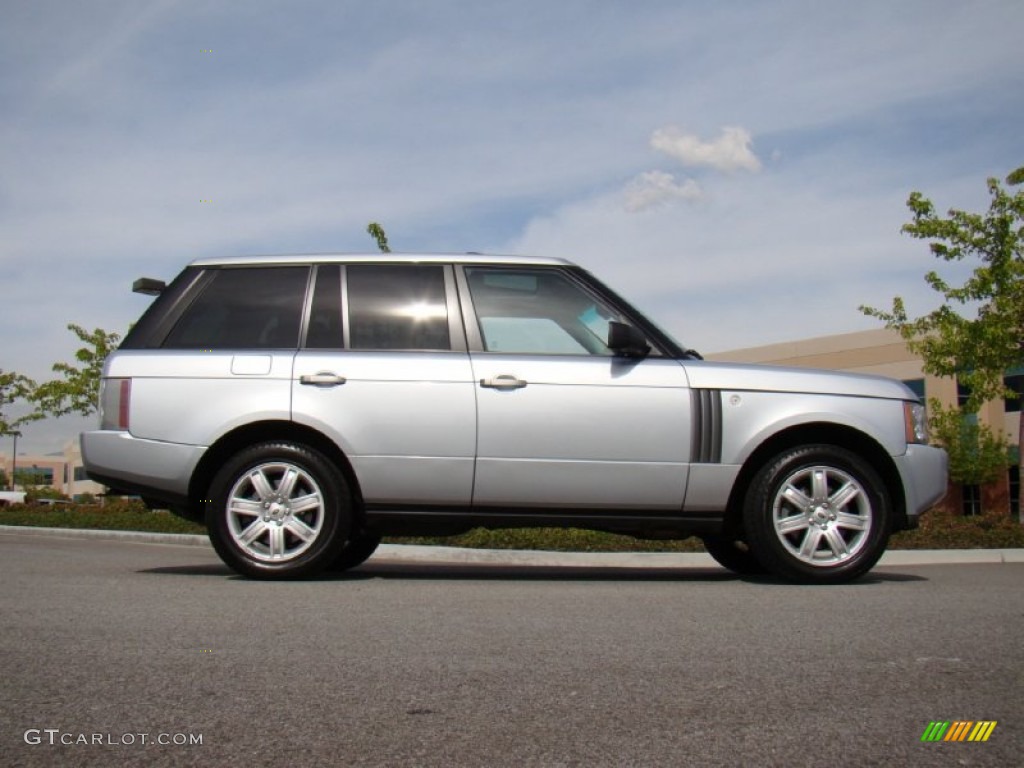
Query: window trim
(307, 311)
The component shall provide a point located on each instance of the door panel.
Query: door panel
(585, 432)
(396, 399)
(406, 421)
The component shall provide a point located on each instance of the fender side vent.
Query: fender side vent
(706, 437)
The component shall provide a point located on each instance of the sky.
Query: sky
(738, 170)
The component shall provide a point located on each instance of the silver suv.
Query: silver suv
(306, 406)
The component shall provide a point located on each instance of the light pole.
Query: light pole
(14, 456)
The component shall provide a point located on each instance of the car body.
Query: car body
(303, 406)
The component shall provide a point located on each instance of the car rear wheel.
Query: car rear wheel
(278, 511)
(817, 514)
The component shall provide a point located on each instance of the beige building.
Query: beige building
(883, 352)
(61, 471)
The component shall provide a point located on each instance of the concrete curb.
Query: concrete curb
(407, 553)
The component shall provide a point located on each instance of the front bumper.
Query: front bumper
(924, 470)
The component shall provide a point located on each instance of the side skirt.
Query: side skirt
(426, 521)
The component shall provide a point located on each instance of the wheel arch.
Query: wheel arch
(264, 431)
(823, 433)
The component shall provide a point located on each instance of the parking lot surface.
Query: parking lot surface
(109, 647)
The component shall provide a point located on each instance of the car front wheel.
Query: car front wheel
(278, 511)
(817, 514)
(734, 554)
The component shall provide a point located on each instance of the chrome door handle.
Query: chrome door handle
(322, 379)
(505, 381)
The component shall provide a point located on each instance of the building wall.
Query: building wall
(63, 466)
(882, 352)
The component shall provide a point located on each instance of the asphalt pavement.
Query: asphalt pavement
(406, 553)
(132, 652)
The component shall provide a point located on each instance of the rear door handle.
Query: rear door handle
(505, 381)
(322, 379)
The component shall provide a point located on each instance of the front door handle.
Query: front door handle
(505, 381)
(322, 379)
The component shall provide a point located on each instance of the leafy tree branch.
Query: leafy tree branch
(14, 388)
(77, 391)
(377, 233)
(977, 332)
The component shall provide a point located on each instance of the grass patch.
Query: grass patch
(552, 540)
(113, 516)
(941, 530)
(938, 531)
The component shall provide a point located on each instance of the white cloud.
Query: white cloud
(777, 257)
(654, 188)
(729, 152)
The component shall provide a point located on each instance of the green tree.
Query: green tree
(977, 454)
(977, 333)
(14, 387)
(77, 391)
(377, 233)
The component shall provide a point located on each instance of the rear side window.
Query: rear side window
(244, 308)
(397, 306)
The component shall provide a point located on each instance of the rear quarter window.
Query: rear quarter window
(244, 308)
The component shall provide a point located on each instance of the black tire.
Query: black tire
(817, 514)
(734, 554)
(356, 551)
(279, 510)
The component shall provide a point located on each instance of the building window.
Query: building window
(963, 393)
(34, 475)
(1015, 383)
(971, 499)
(80, 474)
(916, 386)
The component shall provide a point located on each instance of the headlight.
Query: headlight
(916, 422)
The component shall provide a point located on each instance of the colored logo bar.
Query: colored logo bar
(959, 730)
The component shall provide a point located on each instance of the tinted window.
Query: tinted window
(538, 312)
(397, 307)
(248, 308)
(324, 330)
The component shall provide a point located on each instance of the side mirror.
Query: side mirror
(148, 286)
(627, 341)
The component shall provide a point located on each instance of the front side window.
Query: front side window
(541, 312)
(397, 306)
(244, 308)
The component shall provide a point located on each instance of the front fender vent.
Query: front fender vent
(706, 437)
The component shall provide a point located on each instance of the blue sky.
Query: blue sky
(737, 169)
